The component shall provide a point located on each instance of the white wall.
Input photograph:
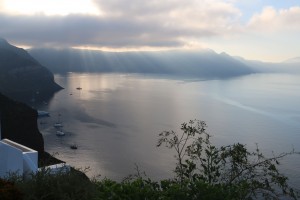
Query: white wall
(30, 162)
(11, 160)
(16, 158)
(57, 168)
(19, 159)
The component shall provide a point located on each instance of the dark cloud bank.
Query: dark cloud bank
(124, 24)
(92, 31)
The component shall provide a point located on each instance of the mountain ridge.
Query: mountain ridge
(19, 123)
(22, 75)
(202, 64)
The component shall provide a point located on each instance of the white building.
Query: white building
(23, 161)
(16, 158)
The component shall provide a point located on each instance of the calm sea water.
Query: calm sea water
(116, 118)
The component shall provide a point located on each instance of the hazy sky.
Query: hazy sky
(254, 29)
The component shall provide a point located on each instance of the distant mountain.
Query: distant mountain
(292, 65)
(21, 75)
(200, 64)
(289, 66)
(293, 60)
(259, 66)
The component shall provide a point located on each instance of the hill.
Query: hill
(198, 64)
(19, 123)
(21, 75)
(291, 66)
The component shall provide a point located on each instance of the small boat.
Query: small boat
(58, 125)
(79, 88)
(42, 113)
(60, 133)
(73, 146)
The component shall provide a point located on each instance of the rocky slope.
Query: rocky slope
(21, 75)
(19, 123)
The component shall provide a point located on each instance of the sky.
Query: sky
(254, 29)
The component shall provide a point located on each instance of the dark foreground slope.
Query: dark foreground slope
(21, 75)
(19, 123)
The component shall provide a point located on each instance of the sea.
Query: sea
(114, 119)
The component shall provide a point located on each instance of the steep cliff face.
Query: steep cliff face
(19, 123)
(22, 75)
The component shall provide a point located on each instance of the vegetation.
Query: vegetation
(203, 171)
(8, 191)
(242, 174)
(44, 185)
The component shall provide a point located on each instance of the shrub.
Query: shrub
(243, 174)
(70, 185)
(8, 191)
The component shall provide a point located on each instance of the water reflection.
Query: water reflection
(115, 118)
(97, 85)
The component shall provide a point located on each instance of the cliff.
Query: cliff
(21, 75)
(19, 123)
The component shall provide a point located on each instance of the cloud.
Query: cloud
(1, 5)
(212, 15)
(127, 24)
(75, 30)
(49, 7)
(270, 20)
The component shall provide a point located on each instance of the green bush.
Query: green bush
(140, 188)
(242, 174)
(135, 189)
(43, 185)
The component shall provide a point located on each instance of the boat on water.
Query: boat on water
(42, 113)
(74, 146)
(58, 125)
(79, 88)
(60, 133)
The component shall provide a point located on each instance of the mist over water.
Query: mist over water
(115, 119)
